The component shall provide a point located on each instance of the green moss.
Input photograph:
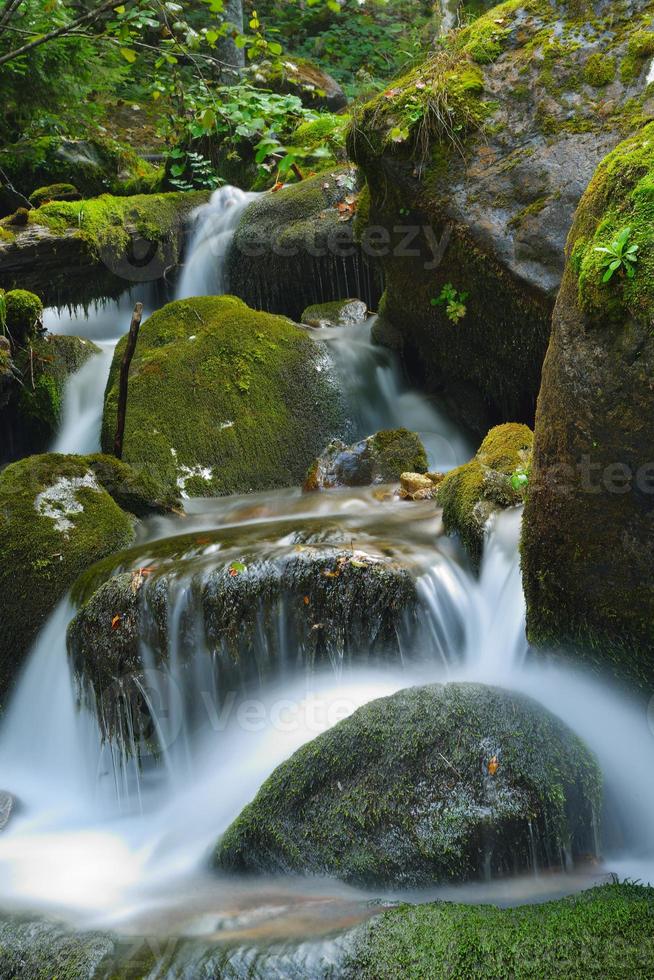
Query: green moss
(223, 399)
(599, 70)
(399, 451)
(54, 192)
(327, 130)
(470, 494)
(620, 195)
(24, 312)
(398, 794)
(43, 555)
(604, 932)
(640, 47)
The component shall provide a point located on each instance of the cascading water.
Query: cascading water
(102, 841)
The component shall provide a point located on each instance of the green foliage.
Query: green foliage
(619, 256)
(453, 301)
(191, 171)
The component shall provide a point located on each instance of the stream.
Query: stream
(99, 843)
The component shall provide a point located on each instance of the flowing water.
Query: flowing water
(102, 842)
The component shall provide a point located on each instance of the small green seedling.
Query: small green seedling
(519, 479)
(619, 256)
(453, 301)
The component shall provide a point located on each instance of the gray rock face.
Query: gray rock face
(340, 313)
(433, 784)
(537, 95)
(381, 458)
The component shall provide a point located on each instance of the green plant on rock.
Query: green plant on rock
(520, 479)
(620, 256)
(192, 171)
(453, 301)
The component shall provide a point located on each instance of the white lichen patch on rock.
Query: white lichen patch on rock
(187, 472)
(59, 502)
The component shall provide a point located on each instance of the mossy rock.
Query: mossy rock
(93, 166)
(32, 413)
(472, 493)
(338, 607)
(588, 529)
(480, 156)
(339, 313)
(292, 248)
(381, 458)
(603, 932)
(23, 315)
(327, 131)
(223, 399)
(433, 784)
(315, 88)
(54, 192)
(73, 251)
(55, 520)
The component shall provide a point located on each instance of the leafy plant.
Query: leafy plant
(520, 479)
(192, 171)
(620, 256)
(453, 301)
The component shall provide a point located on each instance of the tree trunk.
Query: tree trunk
(226, 49)
(124, 379)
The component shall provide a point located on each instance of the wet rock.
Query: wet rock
(419, 486)
(296, 247)
(486, 191)
(301, 607)
(19, 218)
(378, 459)
(36, 949)
(496, 478)
(224, 399)
(433, 784)
(340, 313)
(55, 520)
(588, 532)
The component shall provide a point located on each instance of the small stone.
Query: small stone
(417, 486)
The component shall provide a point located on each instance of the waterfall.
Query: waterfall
(204, 272)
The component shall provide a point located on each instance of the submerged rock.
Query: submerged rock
(494, 479)
(56, 519)
(295, 247)
(588, 533)
(224, 399)
(475, 162)
(7, 807)
(381, 458)
(433, 784)
(340, 313)
(250, 621)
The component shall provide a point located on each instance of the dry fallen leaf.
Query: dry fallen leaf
(115, 622)
(493, 765)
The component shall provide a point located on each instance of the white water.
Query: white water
(215, 223)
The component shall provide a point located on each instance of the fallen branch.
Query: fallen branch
(124, 379)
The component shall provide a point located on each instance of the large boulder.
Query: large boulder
(93, 166)
(309, 82)
(494, 479)
(56, 519)
(295, 247)
(603, 932)
(381, 458)
(299, 607)
(223, 399)
(588, 537)
(475, 162)
(433, 784)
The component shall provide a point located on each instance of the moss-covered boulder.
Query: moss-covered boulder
(309, 82)
(33, 402)
(54, 192)
(603, 932)
(295, 247)
(339, 313)
(23, 316)
(381, 458)
(55, 519)
(475, 162)
(588, 535)
(93, 166)
(495, 478)
(433, 784)
(301, 606)
(72, 251)
(223, 399)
